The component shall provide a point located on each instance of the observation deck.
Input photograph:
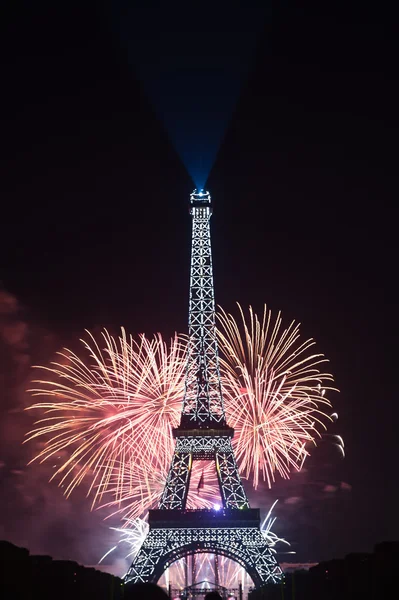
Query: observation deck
(204, 518)
(200, 198)
(188, 428)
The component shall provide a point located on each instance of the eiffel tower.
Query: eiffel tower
(203, 434)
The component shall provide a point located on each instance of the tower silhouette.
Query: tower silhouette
(203, 434)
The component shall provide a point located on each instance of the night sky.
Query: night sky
(95, 232)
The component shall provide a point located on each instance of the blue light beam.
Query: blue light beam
(192, 59)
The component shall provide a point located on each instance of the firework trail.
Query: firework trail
(133, 534)
(273, 392)
(266, 530)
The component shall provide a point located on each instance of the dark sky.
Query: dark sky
(95, 232)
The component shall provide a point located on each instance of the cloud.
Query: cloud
(292, 500)
(8, 303)
(345, 486)
(330, 489)
(300, 472)
(14, 351)
(34, 512)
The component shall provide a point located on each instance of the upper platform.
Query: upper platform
(218, 517)
(200, 198)
(190, 428)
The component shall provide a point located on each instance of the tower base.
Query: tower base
(232, 533)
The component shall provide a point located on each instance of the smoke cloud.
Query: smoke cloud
(35, 514)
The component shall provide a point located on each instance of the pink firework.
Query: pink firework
(112, 408)
(273, 391)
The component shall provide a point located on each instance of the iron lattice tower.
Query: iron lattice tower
(203, 434)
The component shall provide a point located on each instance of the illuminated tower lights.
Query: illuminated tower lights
(233, 529)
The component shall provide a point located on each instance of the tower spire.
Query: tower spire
(203, 401)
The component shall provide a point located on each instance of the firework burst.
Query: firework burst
(111, 409)
(274, 393)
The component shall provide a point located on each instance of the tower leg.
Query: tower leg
(193, 569)
(231, 488)
(178, 481)
(186, 559)
(216, 561)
